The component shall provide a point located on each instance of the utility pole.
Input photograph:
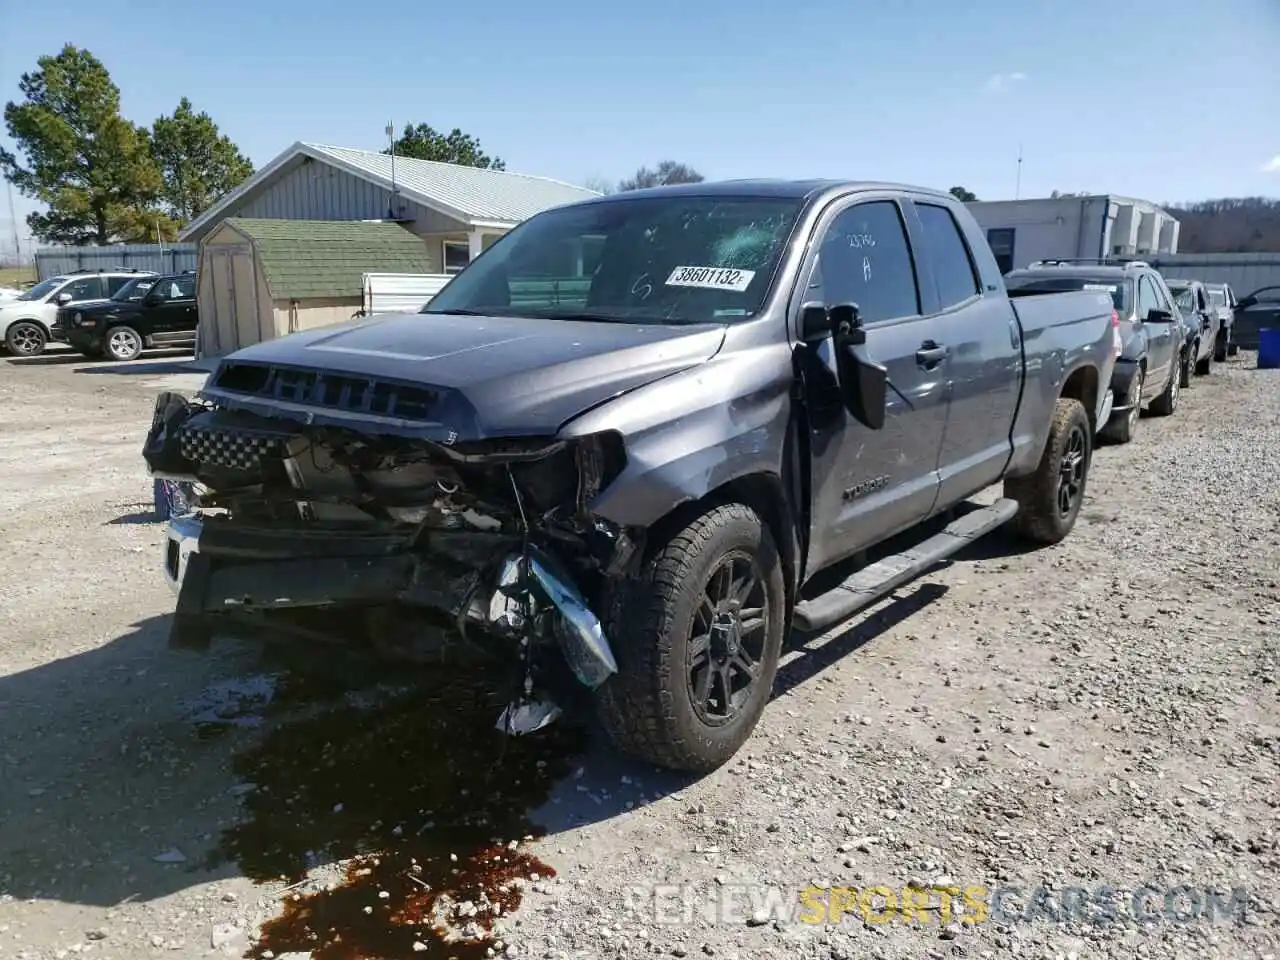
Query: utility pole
(13, 219)
(1017, 187)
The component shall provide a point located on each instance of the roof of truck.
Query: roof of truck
(783, 189)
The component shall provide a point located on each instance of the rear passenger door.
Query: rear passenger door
(979, 333)
(868, 484)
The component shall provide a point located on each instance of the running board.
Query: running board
(871, 583)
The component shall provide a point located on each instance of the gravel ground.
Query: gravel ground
(1101, 714)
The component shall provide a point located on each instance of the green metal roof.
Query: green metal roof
(309, 259)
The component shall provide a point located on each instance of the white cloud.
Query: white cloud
(1000, 82)
(1272, 165)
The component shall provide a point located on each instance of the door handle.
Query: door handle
(930, 354)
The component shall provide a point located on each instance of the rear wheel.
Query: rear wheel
(1186, 364)
(26, 338)
(1121, 429)
(1049, 500)
(697, 639)
(1221, 345)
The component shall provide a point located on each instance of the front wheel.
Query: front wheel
(26, 338)
(697, 637)
(1049, 500)
(1121, 429)
(123, 343)
(1185, 366)
(1204, 366)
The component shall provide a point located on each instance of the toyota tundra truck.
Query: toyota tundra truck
(616, 450)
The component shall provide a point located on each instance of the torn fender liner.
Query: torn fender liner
(529, 717)
(582, 641)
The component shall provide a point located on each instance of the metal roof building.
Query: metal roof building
(456, 210)
(1023, 231)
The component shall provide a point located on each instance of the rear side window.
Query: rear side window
(114, 284)
(865, 259)
(948, 254)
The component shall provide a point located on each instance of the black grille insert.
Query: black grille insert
(333, 391)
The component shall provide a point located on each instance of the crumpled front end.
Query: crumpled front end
(329, 533)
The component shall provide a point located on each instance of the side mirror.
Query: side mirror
(1156, 315)
(62, 299)
(864, 384)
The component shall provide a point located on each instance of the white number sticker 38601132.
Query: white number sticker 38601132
(711, 278)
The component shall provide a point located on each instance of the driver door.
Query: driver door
(1163, 339)
(868, 484)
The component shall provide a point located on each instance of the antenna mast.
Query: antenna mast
(391, 202)
(1017, 188)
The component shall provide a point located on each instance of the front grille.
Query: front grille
(234, 448)
(334, 391)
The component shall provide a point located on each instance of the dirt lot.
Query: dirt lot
(1100, 714)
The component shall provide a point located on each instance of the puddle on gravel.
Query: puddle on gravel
(420, 797)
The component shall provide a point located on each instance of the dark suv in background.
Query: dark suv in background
(149, 312)
(1151, 338)
(1203, 325)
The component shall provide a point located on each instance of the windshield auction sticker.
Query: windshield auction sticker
(711, 278)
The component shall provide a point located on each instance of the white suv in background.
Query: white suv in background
(25, 321)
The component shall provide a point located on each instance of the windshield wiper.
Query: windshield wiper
(587, 318)
(457, 312)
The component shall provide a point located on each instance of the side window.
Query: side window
(1148, 298)
(115, 283)
(948, 255)
(86, 288)
(865, 259)
(186, 289)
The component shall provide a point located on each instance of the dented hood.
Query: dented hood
(493, 376)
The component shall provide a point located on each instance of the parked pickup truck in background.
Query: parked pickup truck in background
(616, 449)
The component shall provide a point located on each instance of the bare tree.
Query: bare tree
(665, 173)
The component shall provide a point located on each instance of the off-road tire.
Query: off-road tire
(646, 708)
(1165, 404)
(1186, 365)
(1221, 347)
(26, 338)
(1122, 429)
(1039, 519)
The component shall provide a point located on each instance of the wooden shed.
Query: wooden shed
(260, 279)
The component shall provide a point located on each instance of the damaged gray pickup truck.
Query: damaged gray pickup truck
(616, 449)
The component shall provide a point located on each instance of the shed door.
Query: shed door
(221, 332)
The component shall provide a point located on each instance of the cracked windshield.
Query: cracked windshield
(520, 482)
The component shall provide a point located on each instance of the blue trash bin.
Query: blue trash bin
(1269, 348)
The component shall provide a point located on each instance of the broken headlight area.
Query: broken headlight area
(493, 541)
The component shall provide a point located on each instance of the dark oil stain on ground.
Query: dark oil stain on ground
(424, 794)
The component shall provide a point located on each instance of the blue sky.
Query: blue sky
(1162, 99)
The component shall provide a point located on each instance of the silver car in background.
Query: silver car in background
(1223, 300)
